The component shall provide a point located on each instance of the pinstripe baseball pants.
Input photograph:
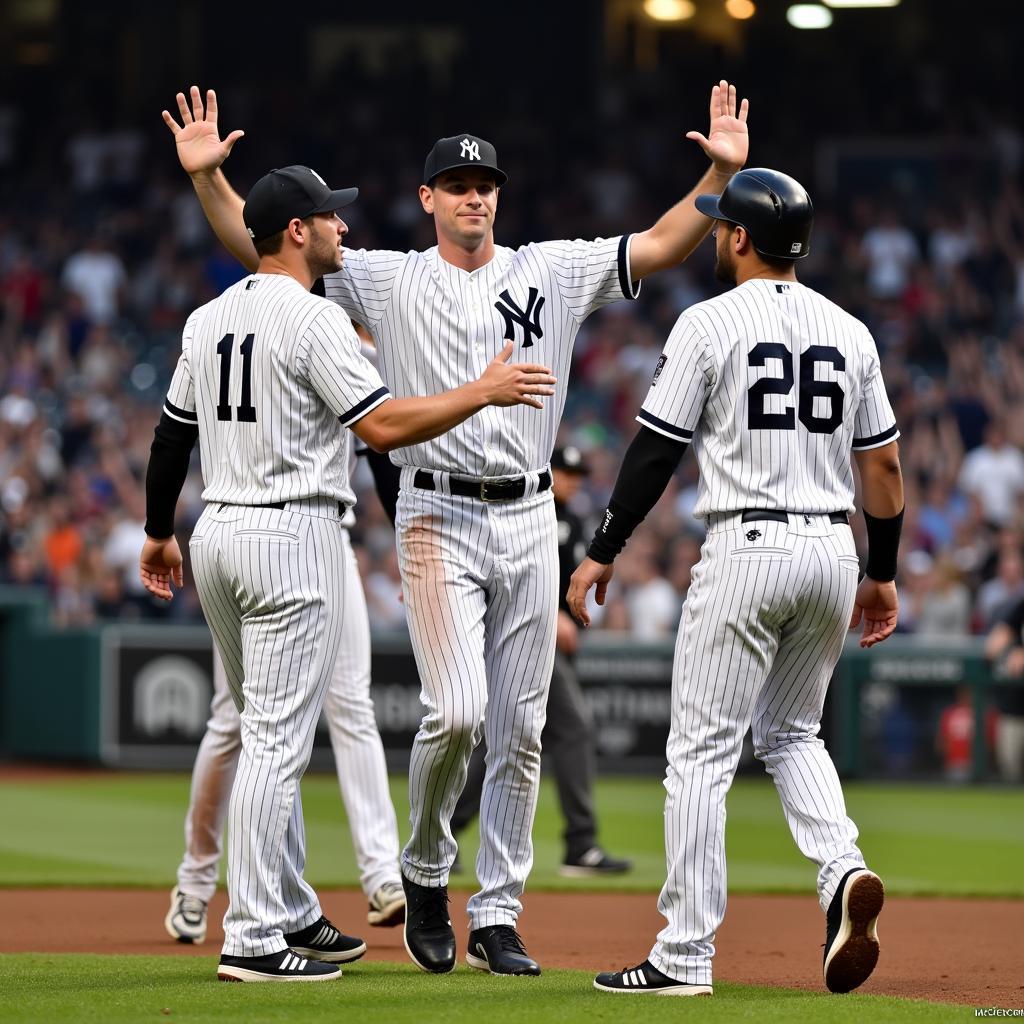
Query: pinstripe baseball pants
(480, 583)
(358, 757)
(271, 583)
(762, 629)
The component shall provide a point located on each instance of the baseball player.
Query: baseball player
(362, 777)
(476, 530)
(568, 736)
(773, 385)
(267, 371)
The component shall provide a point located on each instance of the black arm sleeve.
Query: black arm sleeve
(883, 545)
(386, 476)
(169, 455)
(647, 467)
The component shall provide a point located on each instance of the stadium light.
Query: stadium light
(669, 10)
(740, 9)
(809, 16)
(841, 4)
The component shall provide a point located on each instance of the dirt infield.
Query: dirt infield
(964, 951)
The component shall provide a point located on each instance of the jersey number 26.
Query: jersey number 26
(810, 389)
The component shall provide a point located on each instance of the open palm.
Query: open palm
(200, 147)
(727, 142)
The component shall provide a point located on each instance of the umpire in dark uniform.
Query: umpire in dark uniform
(568, 737)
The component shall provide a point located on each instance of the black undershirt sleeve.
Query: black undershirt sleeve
(386, 477)
(169, 456)
(646, 469)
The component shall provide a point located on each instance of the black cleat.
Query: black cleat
(851, 937)
(284, 966)
(500, 950)
(428, 935)
(594, 862)
(646, 980)
(322, 941)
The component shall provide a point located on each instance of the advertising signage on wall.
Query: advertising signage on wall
(158, 681)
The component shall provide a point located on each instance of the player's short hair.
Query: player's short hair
(269, 246)
(272, 246)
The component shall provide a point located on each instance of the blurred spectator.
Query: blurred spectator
(97, 276)
(998, 595)
(945, 606)
(913, 584)
(87, 154)
(651, 601)
(63, 542)
(939, 514)
(955, 739)
(72, 597)
(890, 251)
(949, 243)
(1004, 647)
(22, 289)
(995, 473)
(121, 552)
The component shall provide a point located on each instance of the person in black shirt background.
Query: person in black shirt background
(1005, 645)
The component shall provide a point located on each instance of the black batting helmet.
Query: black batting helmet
(773, 208)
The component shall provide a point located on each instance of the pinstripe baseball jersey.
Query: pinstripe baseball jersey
(774, 384)
(437, 326)
(267, 370)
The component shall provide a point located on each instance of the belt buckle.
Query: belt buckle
(484, 484)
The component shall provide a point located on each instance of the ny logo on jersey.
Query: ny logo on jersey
(528, 318)
(753, 534)
(470, 149)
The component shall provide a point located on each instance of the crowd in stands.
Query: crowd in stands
(105, 252)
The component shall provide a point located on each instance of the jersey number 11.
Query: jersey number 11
(246, 410)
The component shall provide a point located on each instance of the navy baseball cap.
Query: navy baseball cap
(462, 151)
(570, 460)
(286, 193)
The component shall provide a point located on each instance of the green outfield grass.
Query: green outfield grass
(110, 990)
(126, 830)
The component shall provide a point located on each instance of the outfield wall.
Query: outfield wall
(137, 696)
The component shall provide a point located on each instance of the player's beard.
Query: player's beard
(725, 268)
(324, 256)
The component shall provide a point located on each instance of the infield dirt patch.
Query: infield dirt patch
(963, 951)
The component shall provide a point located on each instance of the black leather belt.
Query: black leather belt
(752, 515)
(503, 489)
(279, 505)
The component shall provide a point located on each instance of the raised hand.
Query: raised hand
(878, 606)
(200, 147)
(727, 142)
(159, 565)
(516, 384)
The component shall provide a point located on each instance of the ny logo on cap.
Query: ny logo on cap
(470, 149)
(795, 247)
